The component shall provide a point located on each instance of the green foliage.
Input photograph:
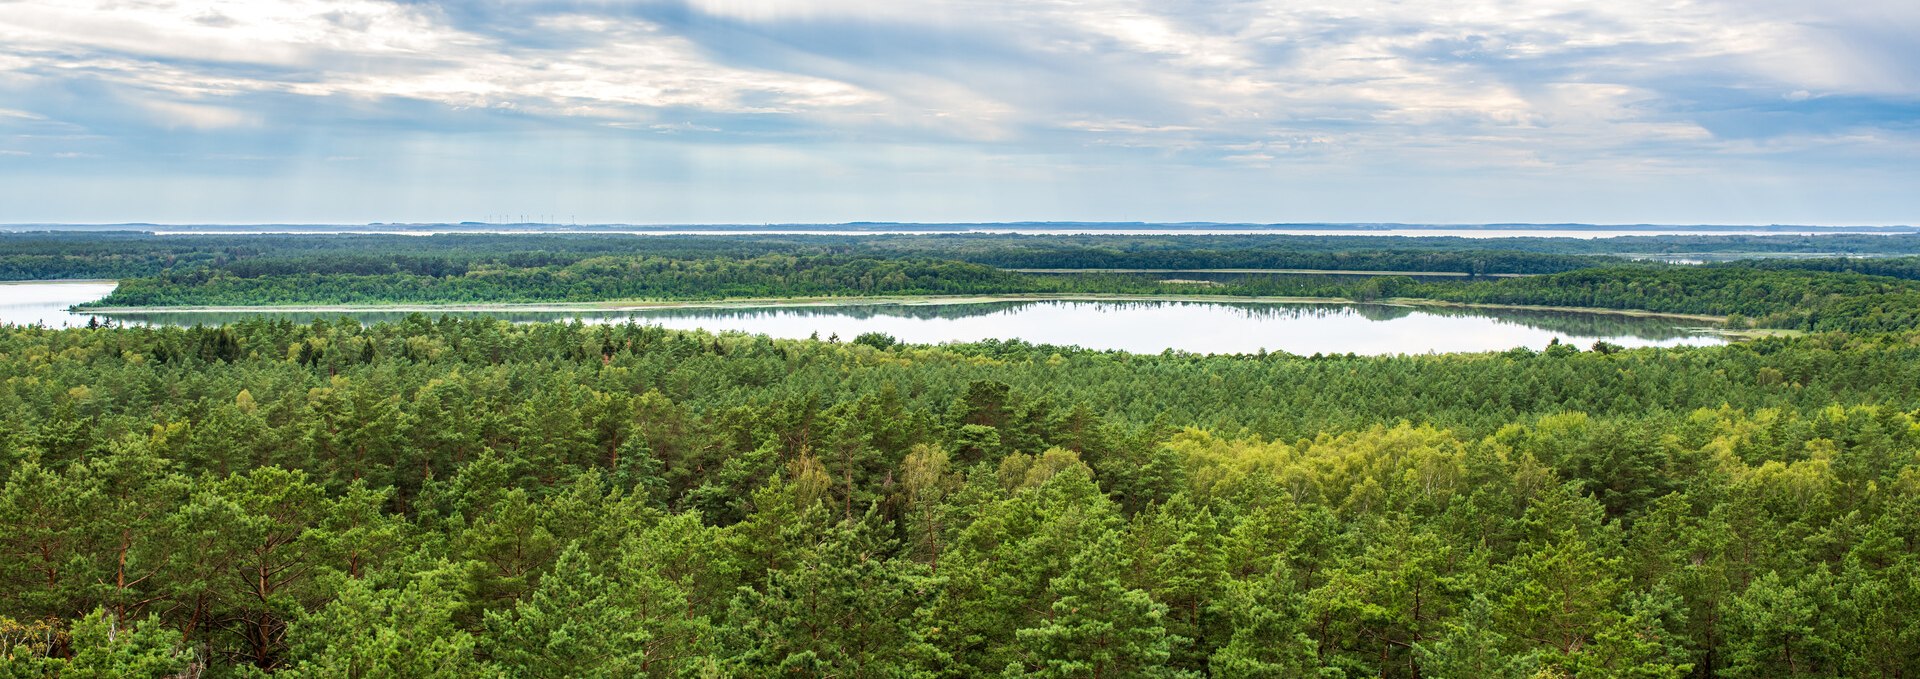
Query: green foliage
(121, 254)
(97, 646)
(568, 626)
(877, 340)
(406, 629)
(1473, 647)
(1783, 298)
(1096, 626)
(29, 256)
(846, 611)
(1772, 297)
(476, 498)
(596, 279)
(1852, 294)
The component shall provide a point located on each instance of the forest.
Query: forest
(1771, 296)
(1858, 293)
(448, 497)
(125, 254)
(464, 498)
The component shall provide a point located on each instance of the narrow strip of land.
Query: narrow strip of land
(1304, 272)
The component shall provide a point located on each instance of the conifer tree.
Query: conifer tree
(569, 626)
(1097, 626)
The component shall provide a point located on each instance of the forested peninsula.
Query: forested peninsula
(1783, 295)
(449, 497)
(1875, 288)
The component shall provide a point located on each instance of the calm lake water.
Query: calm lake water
(46, 302)
(1141, 327)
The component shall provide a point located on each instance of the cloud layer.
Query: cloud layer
(797, 110)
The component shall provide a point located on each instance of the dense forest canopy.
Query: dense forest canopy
(464, 497)
(51, 255)
(444, 497)
(1809, 298)
(1817, 293)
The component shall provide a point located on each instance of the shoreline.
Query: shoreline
(904, 300)
(1718, 321)
(73, 281)
(1641, 313)
(735, 303)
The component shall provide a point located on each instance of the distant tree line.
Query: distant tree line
(1752, 295)
(52, 255)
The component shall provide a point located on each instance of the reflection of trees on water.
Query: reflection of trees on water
(856, 311)
(921, 312)
(1568, 324)
(1577, 324)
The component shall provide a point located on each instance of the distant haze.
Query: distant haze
(1030, 228)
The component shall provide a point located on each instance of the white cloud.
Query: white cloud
(196, 116)
(1530, 83)
(371, 49)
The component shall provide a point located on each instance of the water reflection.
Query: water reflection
(45, 302)
(1136, 326)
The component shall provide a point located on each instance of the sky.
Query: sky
(789, 111)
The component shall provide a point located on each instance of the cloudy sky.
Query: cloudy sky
(662, 111)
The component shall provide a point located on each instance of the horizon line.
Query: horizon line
(859, 224)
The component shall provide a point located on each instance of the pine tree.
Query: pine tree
(250, 559)
(849, 612)
(1268, 637)
(1780, 629)
(1471, 648)
(569, 626)
(1000, 566)
(669, 579)
(1097, 627)
(1638, 645)
(1180, 562)
(104, 648)
(404, 629)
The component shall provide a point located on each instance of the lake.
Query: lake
(1135, 326)
(46, 302)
